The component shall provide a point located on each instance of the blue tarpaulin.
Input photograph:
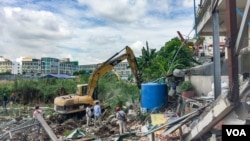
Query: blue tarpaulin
(62, 76)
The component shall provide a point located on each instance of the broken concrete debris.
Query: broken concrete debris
(201, 117)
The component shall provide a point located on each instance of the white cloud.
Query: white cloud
(117, 10)
(137, 47)
(160, 6)
(190, 3)
(89, 31)
(27, 24)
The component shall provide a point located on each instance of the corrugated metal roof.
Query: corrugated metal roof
(63, 76)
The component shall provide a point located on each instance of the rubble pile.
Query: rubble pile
(163, 125)
(109, 127)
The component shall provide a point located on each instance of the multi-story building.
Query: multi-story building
(28, 66)
(5, 65)
(56, 66)
(87, 68)
(35, 67)
(67, 67)
(16, 68)
(122, 69)
(50, 65)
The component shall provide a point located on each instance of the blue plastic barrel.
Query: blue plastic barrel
(153, 96)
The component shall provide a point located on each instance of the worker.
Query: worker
(97, 114)
(88, 115)
(121, 117)
(12, 99)
(5, 101)
(35, 113)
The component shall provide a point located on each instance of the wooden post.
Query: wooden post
(181, 134)
(46, 127)
(153, 136)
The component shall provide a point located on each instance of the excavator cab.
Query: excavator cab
(81, 89)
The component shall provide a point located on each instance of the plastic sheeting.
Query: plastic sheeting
(76, 134)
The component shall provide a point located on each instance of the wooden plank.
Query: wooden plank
(174, 122)
(181, 133)
(178, 126)
(46, 127)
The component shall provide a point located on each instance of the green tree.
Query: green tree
(156, 64)
(175, 55)
(146, 62)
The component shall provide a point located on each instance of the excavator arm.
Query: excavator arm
(109, 65)
(134, 66)
(72, 103)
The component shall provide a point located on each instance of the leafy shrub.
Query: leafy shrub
(186, 86)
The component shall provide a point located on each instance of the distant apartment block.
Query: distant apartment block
(30, 67)
(46, 65)
(35, 67)
(5, 65)
(122, 69)
(87, 68)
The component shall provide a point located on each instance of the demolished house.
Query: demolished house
(222, 97)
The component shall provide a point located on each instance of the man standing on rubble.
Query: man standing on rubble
(121, 116)
(97, 114)
(12, 99)
(88, 115)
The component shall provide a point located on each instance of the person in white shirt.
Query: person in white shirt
(121, 116)
(97, 114)
(88, 115)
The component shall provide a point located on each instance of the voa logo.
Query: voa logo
(236, 132)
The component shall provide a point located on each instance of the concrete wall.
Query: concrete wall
(203, 84)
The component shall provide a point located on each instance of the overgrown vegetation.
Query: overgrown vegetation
(173, 55)
(43, 91)
(152, 65)
(117, 93)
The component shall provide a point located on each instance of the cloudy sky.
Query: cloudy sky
(89, 31)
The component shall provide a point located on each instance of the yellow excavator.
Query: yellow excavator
(86, 93)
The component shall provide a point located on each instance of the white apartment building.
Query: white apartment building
(5, 65)
(28, 66)
(122, 69)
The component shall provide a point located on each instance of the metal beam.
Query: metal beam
(195, 22)
(243, 27)
(216, 54)
(181, 37)
(214, 5)
(233, 68)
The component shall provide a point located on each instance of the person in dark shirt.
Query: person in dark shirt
(5, 101)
